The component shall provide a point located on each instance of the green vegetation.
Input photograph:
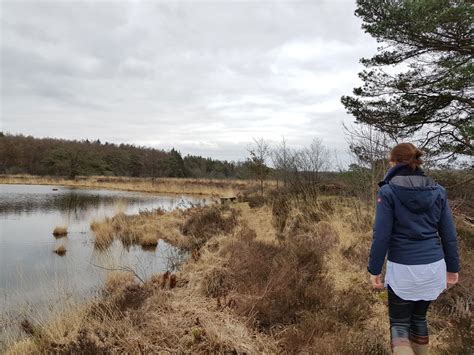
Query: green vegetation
(429, 95)
(59, 157)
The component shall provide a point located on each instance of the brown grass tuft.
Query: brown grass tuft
(117, 281)
(60, 250)
(103, 232)
(144, 229)
(148, 240)
(60, 231)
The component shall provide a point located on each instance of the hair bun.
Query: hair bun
(406, 153)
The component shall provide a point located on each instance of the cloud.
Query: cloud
(203, 77)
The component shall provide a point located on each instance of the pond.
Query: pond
(34, 281)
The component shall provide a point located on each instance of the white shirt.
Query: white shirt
(417, 282)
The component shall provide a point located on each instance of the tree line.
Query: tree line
(21, 154)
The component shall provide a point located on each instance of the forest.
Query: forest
(20, 154)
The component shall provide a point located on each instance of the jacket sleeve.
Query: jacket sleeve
(447, 233)
(382, 233)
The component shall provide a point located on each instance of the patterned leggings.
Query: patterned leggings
(407, 320)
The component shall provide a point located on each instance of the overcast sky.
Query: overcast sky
(203, 77)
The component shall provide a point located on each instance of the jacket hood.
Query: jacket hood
(417, 193)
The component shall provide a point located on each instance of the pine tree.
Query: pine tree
(428, 95)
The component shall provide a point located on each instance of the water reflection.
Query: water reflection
(70, 202)
(19, 199)
(33, 278)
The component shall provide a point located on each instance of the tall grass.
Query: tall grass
(103, 232)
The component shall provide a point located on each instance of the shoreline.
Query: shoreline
(103, 187)
(165, 186)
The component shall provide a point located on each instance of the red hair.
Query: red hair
(406, 153)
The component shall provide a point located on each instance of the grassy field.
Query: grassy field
(207, 187)
(281, 277)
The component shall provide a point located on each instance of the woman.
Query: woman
(414, 224)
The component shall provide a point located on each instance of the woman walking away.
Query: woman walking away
(414, 224)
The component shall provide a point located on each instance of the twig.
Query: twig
(121, 268)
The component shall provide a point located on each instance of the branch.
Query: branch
(121, 268)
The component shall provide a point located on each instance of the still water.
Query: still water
(34, 280)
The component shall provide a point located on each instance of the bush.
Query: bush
(206, 222)
(274, 284)
(256, 201)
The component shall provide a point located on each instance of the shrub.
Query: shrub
(206, 222)
(274, 284)
(217, 282)
(255, 201)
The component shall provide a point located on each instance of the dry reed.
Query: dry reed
(206, 187)
(60, 231)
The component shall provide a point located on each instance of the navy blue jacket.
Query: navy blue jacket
(413, 222)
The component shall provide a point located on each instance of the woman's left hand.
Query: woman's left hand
(376, 281)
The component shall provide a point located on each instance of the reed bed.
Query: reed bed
(205, 187)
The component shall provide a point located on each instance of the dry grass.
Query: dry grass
(144, 229)
(205, 222)
(103, 232)
(283, 289)
(132, 317)
(60, 250)
(206, 187)
(149, 240)
(60, 231)
(272, 279)
(188, 229)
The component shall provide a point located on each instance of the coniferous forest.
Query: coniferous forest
(21, 154)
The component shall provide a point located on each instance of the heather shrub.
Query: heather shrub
(205, 222)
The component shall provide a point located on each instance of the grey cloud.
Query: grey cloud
(203, 77)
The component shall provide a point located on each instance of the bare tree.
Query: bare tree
(370, 148)
(283, 162)
(309, 163)
(259, 154)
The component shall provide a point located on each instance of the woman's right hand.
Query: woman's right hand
(452, 278)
